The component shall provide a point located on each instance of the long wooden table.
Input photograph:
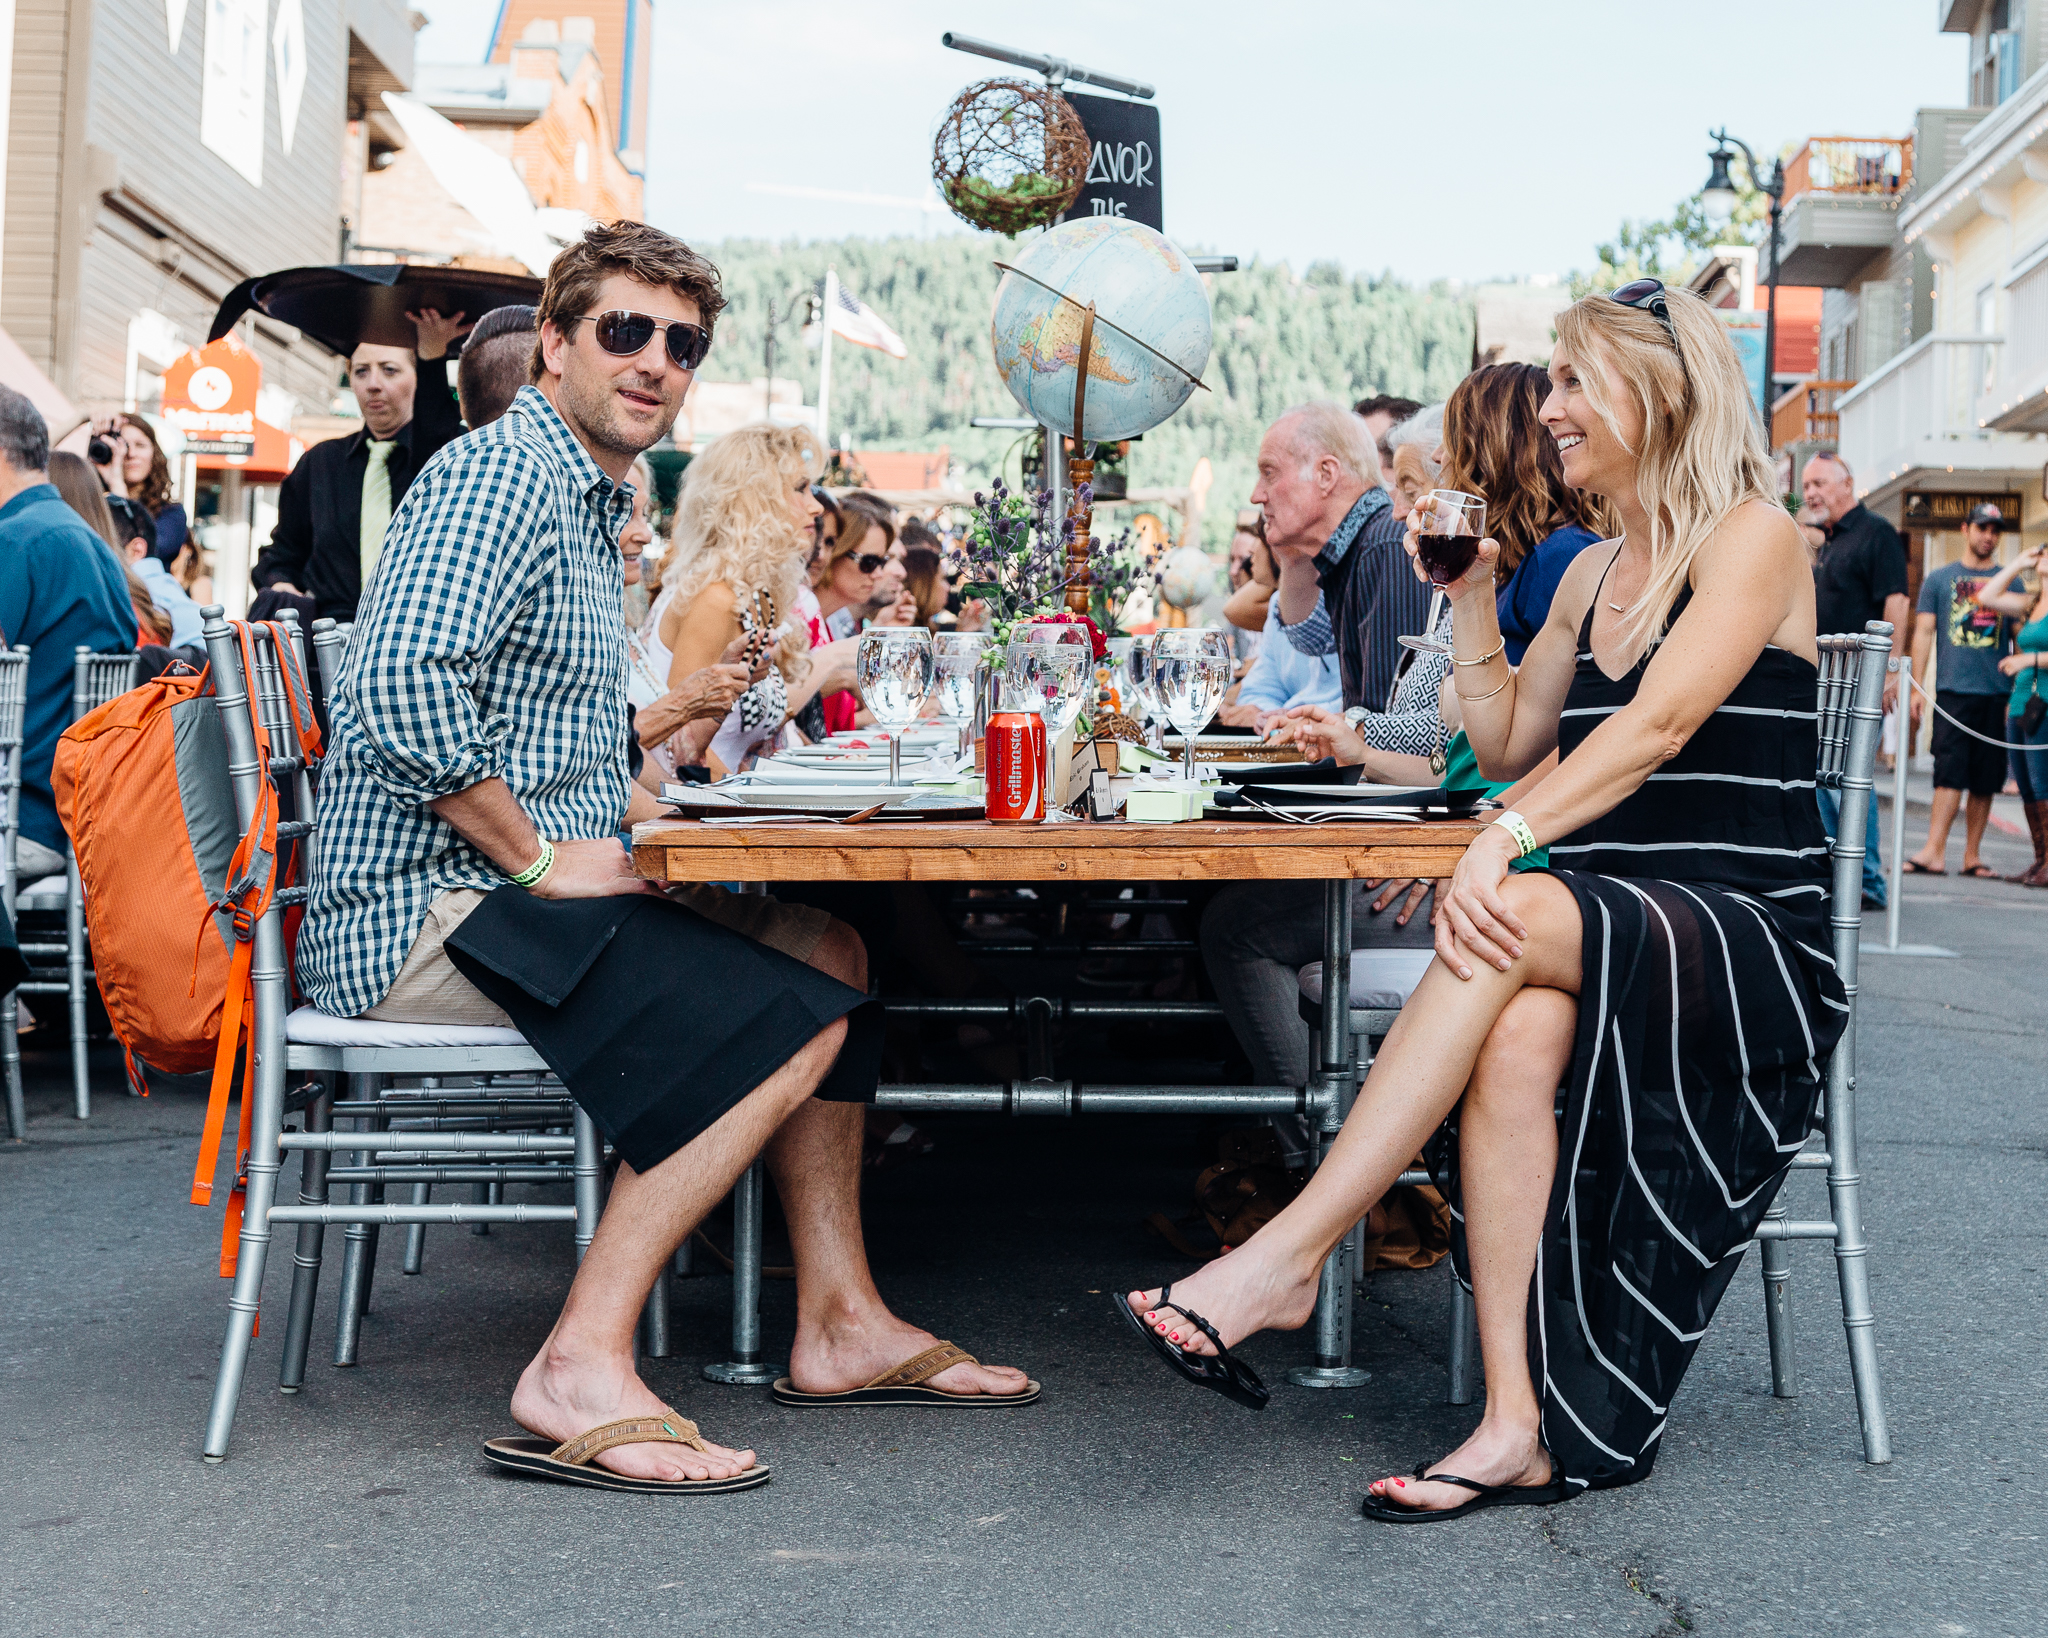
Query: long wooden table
(686, 850)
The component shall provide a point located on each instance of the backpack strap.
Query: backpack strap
(251, 880)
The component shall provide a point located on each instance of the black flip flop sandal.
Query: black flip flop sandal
(1227, 1375)
(1485, 1495)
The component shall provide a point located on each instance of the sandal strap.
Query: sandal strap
(922, 1367)
(633, 1430)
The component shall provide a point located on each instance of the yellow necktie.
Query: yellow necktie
(376, 504)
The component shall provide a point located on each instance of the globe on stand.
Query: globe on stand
(1101, 330)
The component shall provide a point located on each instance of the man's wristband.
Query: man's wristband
(1518, 827)
(532, 875)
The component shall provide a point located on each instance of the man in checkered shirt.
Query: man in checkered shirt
(481, 709)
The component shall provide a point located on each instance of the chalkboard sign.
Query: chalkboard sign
(1123, 162)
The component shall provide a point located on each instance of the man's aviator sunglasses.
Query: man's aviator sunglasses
(626, 334)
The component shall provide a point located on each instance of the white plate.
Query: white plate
(777, 772)
(812, 796)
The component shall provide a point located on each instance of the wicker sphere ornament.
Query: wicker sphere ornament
(1009, 155)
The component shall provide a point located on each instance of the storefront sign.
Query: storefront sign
(1746, 327)
(210, 396)
(1942, 510)
(1123, 161)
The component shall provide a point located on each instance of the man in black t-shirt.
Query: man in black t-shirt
(1859, 574)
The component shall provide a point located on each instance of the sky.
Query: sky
(1507, 144)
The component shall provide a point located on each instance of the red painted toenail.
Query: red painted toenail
(1403, 1483)
(1175, 1337)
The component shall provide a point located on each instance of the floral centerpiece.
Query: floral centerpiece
(1019, 562)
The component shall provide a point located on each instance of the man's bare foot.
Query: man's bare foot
(558, 1398)
(1241, 1293)
(1495, 1454)
(848, 1350)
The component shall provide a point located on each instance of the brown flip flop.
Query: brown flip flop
(904, 1385)
(569, 1461)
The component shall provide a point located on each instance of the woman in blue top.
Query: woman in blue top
(2026, 712)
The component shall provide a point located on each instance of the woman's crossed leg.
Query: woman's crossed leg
(1501, 1040)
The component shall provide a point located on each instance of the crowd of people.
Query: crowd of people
(538, 646)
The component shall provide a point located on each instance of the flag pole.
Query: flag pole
(825, 357)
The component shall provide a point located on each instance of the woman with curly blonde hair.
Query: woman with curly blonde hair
(742, 536)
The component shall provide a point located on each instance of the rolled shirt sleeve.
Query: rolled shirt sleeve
(1312, 635)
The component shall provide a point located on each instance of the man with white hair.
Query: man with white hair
(1326, 508)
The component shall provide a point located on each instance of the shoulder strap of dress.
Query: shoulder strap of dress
(1586, 625)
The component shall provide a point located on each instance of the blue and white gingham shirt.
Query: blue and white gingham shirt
(487, 646)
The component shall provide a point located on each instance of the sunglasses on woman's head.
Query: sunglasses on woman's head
(626, 334)
(1647, 296)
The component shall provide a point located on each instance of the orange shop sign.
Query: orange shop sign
(210, 396)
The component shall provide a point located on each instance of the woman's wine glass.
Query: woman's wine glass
(1142, 703)
(893, 669)
(1450, 526)
(1191, 669)
(956, 668)
(1049, 670)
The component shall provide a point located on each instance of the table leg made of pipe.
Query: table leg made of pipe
(1328, 1098)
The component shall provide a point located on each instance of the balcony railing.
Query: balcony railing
(1928, 405)
(1806, 413)
(1880, 166)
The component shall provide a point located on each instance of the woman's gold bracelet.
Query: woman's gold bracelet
(1498, 648)
(1474, 699)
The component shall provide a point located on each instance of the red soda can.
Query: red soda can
(1014, 766)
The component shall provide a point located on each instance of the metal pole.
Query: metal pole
(745, 1369)
(1897, 872)
(825, 356)
(1776, 189)
(1336, 1086)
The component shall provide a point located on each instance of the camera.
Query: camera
(99, 451)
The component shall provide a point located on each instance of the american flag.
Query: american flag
(853, 320)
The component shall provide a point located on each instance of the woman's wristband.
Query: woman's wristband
(535, 873)
(1518, 827)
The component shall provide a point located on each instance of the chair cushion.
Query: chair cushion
(47, 894)
(309, 1026)
(1379, 978)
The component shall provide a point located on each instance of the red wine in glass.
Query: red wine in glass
(1446, 558)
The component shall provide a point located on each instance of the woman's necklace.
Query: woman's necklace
(1619, 608)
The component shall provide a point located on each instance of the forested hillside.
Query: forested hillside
(1281, 337)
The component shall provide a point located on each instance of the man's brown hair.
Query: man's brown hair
(636, 250)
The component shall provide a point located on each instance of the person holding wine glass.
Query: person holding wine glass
(1687, 652)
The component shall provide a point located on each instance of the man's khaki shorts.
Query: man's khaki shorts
(430, 989)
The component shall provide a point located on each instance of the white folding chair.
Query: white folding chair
(490, 1133)
(13, 709)
(1852, 671)
(95, 679)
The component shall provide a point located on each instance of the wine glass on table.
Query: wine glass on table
(1136, 670)
(1191, 670)
(1450, 527)
(957, 658)
(892, 667)
(1050, 670)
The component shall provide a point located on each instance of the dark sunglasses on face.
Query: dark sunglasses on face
(626, 334)
(1647, 296)
(868, 562)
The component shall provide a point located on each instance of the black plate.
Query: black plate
(1450, 803)
(343, 307)
(1325, 772)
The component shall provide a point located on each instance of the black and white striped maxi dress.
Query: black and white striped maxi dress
(1708, 1009)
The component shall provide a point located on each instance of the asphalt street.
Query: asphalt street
(1124, 1502)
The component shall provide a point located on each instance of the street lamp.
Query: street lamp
(1717, 201)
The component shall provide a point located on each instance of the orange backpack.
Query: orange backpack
(143, 790)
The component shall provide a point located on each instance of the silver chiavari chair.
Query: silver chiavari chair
(13, 712)
(430, 1103)
(95, 679)
(1851, 714)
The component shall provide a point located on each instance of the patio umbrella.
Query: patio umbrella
(343, 307)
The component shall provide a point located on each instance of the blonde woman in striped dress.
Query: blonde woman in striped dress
(1669, 971)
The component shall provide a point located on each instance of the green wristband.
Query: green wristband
(532, 874)
(1518, 827)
